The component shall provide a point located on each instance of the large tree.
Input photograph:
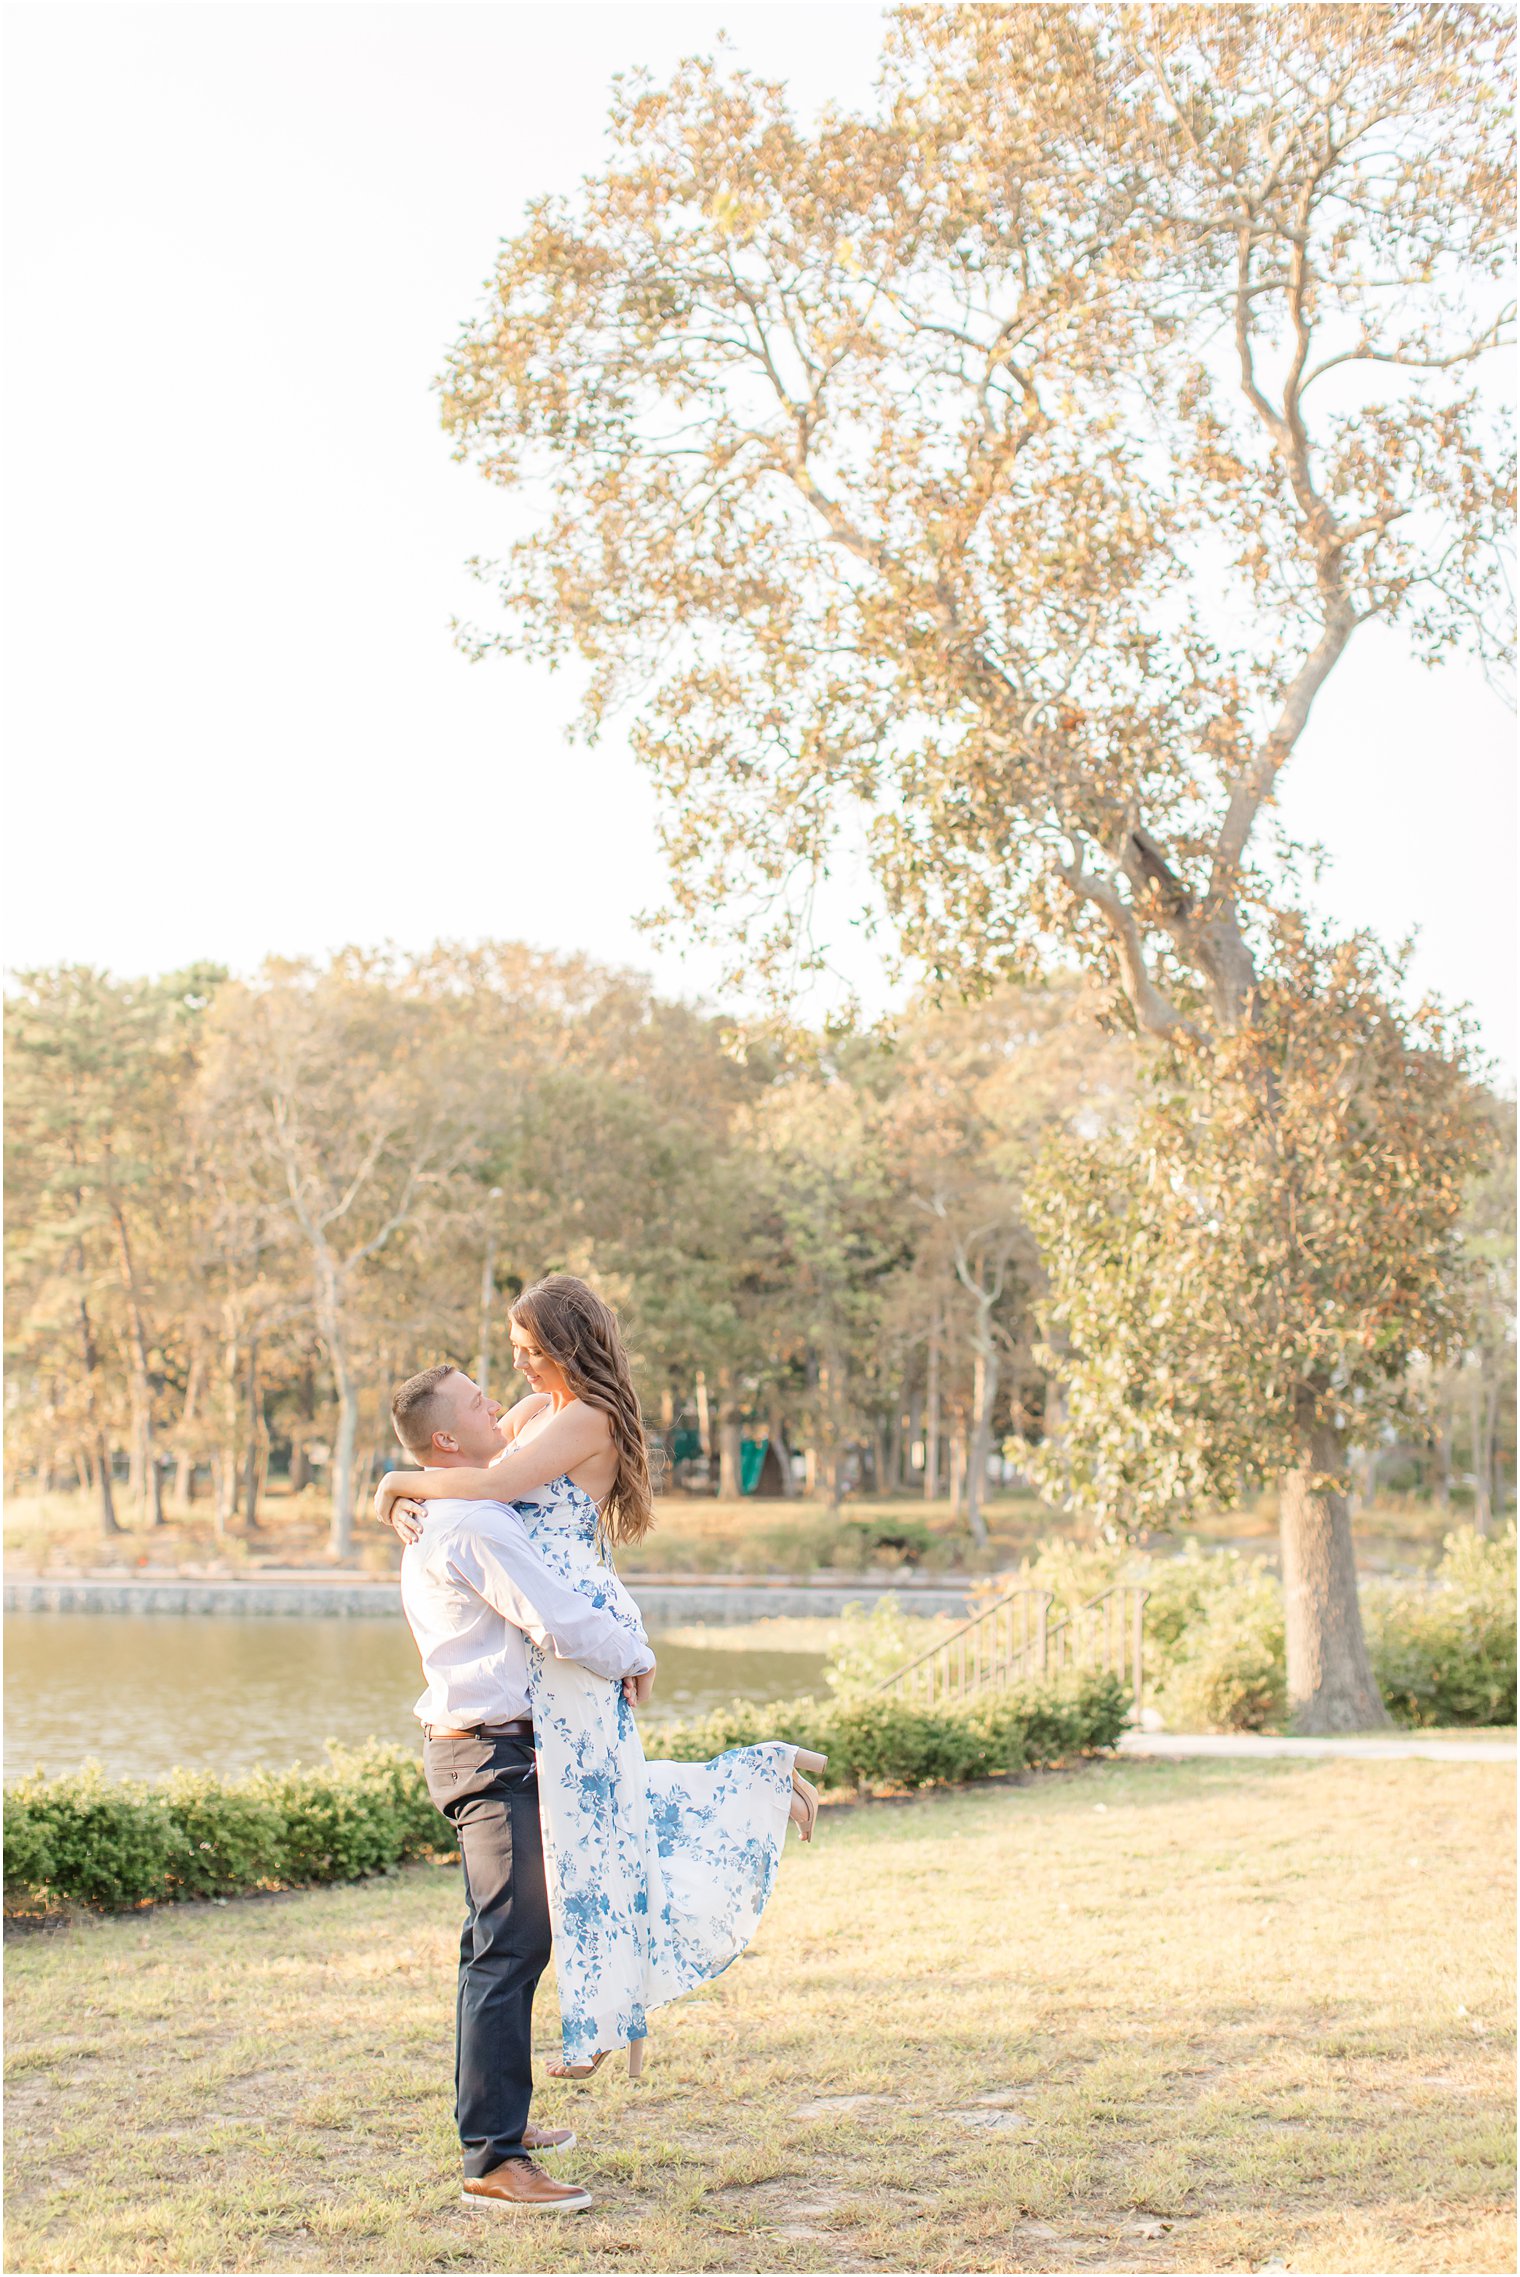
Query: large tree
(1004, 473)
(1243, 1283)
(98, 1070)
(346, 1126)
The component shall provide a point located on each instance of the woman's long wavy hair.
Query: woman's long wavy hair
(572, 1326)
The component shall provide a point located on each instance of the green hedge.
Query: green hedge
(87, 1840)
(876, 1740)
(113, 1844)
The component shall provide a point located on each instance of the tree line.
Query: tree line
(240, 1209)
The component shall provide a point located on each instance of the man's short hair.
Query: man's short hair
(417, 1411)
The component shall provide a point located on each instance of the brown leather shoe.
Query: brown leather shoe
(518, 2183)
(548, 2138)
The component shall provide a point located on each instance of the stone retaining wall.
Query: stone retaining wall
(664, 1604)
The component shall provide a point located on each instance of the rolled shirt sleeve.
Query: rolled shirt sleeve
(508, 1573)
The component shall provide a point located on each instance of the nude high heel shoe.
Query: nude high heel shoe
(584, 2071)
(804, 1791)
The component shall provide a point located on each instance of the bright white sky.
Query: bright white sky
(239, 239)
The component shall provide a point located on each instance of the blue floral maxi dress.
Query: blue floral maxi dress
(658, 1872)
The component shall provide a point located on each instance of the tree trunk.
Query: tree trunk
(1492, 1469)
(957, 1469)
(345, 1441)
(984, 1391)
(153, 1482)
(932, 1418)
(90, 1356)
(302, 1432)
(1479, 1428)
(879, 1458)
(109, 1522)
(224, 1488)
(487, 1301)
(1331, 1687)
(828, 1417)
(730, 1452)
(257, 1448)
(145, 1474)
(184, 1464)
(783, 1447)
(704, 1417)
(1443, 1459)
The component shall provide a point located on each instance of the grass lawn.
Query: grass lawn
(1136, 2017)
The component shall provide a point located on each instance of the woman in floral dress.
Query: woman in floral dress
(658, 1873)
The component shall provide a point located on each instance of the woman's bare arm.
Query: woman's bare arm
(517, 1415)
(575, 1434)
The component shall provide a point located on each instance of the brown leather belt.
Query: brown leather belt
(517, 1727)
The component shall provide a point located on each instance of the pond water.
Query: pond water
(143, 1692)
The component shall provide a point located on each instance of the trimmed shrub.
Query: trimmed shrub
(1215, 1642)
(83, 1841)
(368, 1811)
(1233, 1680)
(28, 1851)
(1077, 1717)
(105, 1845)
(876, 1739)
(1446, 1654)
(80, 1840)
(234, 1838)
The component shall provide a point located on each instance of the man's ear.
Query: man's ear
(445, 1442)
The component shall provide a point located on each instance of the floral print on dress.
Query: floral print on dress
(658, 1872)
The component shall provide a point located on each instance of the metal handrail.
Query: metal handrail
(1107, 1631)
(975, 1622)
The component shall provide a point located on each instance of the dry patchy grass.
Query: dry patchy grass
(1177, 2017)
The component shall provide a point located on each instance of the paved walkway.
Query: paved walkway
(1397, 1748)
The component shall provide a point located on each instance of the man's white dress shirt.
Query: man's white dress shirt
(471, 1587)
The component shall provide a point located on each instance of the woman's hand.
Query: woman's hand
(406, 1516)
(636, 1689)
(393, 1484)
